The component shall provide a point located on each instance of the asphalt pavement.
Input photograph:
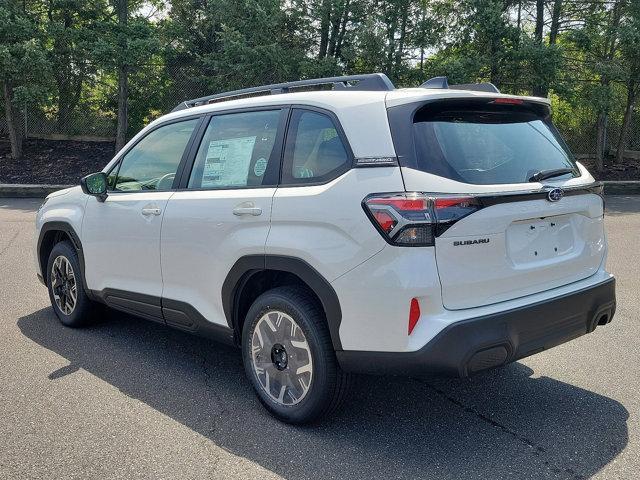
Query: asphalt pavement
(131, 399)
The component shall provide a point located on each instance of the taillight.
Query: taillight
(416, 219)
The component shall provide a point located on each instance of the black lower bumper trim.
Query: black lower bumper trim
(476, 344)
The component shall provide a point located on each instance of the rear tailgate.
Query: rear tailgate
(505, 237)
(518, 247)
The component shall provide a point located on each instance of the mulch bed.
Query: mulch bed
(59, 162)
(64, 162)
(628, 169)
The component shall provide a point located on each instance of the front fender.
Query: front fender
(62, 211)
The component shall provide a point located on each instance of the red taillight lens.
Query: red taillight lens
(402, 204)
(415, 219)
(444, 202)
(403, 218)
(508, 101)
(414, 314)
(448, 210)
(385, 220)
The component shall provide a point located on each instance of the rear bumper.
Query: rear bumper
(468, 346)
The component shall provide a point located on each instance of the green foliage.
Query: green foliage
(23, 62)
(65, 56)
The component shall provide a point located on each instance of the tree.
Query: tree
(122, 10)
(23, 66)
(224, 45)
(69, 27)
(125, 42)
(630, 57)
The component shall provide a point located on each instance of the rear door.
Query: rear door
(516, 238)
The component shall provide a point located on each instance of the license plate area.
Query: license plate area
(541, 240)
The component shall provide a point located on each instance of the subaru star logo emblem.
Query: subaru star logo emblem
(555, 194)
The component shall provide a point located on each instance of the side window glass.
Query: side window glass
(153, 162)
(314, 151)
(237, 150)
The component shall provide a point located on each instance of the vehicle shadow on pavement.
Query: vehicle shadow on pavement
(503, 423)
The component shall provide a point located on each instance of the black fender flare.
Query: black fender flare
(246, 266)
(75, 240)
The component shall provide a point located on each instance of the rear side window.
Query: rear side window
(488, 145)
(237, 151)
(314, 152)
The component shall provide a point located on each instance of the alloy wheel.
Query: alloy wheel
(281, 358)
(63, 285)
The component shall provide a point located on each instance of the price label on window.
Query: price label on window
(227, 162)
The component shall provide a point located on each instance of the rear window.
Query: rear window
(488, 144)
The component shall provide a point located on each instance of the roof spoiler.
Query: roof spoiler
(443, 83)
(366, 82)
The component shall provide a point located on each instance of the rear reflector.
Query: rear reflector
(414, 314)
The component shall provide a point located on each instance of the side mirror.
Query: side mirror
(95, 184)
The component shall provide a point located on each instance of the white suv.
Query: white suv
(360, 228)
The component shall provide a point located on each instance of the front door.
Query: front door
(121, 236)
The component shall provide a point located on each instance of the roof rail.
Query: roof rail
(367, 82)
(441, 82)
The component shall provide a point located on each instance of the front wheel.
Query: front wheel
(65, 283)
(289, 358)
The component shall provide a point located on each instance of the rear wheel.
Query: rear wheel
(289, 358)
(65, 283)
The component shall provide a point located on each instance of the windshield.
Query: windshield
(489, 146)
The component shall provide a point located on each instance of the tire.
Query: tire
(68, 272)
(305, 348)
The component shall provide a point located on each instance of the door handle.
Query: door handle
(146, 211)
(247, 208)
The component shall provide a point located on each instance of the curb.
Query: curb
(622, 187)
(9, 190)
(12, 190)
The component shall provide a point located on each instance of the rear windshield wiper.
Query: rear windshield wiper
(544, 174)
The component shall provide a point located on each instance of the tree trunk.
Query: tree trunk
(123, 84)
(343, 29)
(15, 135)
(539, 21)
(401, 40)
(608, 54)
(325, 25)
(334, 29)
(392, 25)
(601, 140)
(123, 104)
(626, 122)
(423, 10)
(64, 105)
(555, 21)
(538, 89)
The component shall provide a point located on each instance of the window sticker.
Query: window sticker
(260, 167)
(227, 162)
